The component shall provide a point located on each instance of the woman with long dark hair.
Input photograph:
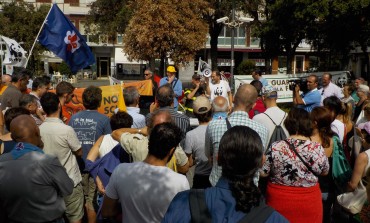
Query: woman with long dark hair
(321, 118)
(293, 166)
(235, 196)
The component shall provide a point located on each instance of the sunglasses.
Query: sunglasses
(146, 74)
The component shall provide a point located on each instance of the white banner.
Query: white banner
(281, 81)
(204, 69)
(14, 55)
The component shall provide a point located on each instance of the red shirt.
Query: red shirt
(258, 108)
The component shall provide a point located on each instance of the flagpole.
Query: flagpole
(42, 26)
(1, 56)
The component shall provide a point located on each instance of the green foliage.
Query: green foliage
(64, 69)
(159, 29)
(287, 23)
(108, 17)
(246, 67)
(21, 21)
(222, 8)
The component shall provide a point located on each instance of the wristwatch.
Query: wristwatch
(139, 131)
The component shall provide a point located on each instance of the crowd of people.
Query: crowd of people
(246, 161)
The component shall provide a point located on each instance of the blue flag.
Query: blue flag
(62, 38)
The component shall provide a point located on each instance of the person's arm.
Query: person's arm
(178, 88)
(297, 99)
(109, 207)
(230, 96)
(59, 177)
(360, 164)
(182, 161)
(94, 151)
(74, 143)
(208, 88)
(116, 134)
(192, 93)
(40, 115)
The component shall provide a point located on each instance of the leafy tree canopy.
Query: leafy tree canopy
(108, 17)
(159, 29)
(21, 21)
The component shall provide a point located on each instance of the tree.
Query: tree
(246, 67)
(221, 8)
(108, 17)
(287, 23)
(161, 29)
(21, 21)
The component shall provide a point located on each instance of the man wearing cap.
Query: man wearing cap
(195, 141)
(308, 100)
(192, 94)
(175, 83)
(273, 113)
(328, 88)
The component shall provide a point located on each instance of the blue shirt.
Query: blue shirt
(263, 81)
(177, 88)
(89, 125)
(220, 202)
(311, 99)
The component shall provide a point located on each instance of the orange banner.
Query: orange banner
(145, 87)
(112, 98)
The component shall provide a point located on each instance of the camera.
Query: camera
(302, 83)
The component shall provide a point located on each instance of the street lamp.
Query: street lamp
(235, 22)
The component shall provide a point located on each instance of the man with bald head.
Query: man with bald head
(35, 183)
(6, 79)
(244, 99)
(220, 108)
(135, 141)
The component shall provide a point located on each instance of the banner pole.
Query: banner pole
(33, 45)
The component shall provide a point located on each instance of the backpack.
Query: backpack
(278, 133)
(341, 169)
(200, 214)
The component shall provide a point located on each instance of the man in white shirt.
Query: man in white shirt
(149, 186)
(132, 96)
(61, 140)
(329, 89)
(217, 87)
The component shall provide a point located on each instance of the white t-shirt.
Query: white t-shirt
(277, 115)
(145, 191)
(338, 128)
(220, 89)
(107, 144)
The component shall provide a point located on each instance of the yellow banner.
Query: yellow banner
(112, 98)
(145, 87)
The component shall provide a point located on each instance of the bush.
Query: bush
(246, 67)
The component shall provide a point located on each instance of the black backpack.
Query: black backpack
(278, 133)
(200, 213)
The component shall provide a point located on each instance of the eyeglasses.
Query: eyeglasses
(323, 90)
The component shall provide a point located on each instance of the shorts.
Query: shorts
(89, 190)
(75, 204)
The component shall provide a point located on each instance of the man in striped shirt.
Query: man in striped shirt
(164, 101)
(244, 100)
